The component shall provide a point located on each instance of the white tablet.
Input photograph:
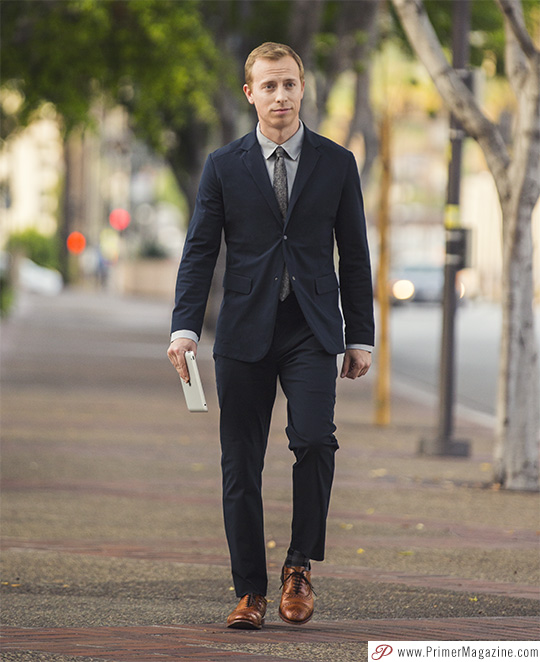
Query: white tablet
(193, 390)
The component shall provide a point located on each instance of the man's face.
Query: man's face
(276, 92)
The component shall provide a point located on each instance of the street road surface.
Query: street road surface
(416, 340)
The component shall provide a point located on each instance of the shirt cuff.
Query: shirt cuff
(185, 333)
(366, 348)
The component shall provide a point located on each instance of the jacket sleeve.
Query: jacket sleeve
(200, 253)
(354, 261)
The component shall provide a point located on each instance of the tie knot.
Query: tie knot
(280, 152)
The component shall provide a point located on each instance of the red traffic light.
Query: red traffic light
(76, 243)
(119, 219)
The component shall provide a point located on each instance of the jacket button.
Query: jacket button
(285, 237)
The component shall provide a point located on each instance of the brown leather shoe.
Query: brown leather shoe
(297, 603)
(249, 613)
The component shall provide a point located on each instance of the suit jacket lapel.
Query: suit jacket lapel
(308, 158)
(254, 162)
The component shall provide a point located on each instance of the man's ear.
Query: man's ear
(248, 94)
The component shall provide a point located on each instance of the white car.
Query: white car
(40, 280)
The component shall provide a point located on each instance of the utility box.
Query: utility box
(458, 247)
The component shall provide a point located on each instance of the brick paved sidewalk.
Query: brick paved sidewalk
(113, 545)
(209, 643)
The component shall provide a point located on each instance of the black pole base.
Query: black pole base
(445, 447)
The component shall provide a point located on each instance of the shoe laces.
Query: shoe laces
(298, 578)
(252, 600)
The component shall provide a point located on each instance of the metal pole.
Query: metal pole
(382, 386)
(444, 444)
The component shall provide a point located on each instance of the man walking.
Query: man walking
(283, 197)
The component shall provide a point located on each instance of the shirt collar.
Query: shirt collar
(293, 146)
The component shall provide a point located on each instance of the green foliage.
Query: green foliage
(51, 51)
(487, 27)
(41, 249)
(155, 56)
(6, 295)
(164, 65)
(167, 190)
(6, 287)
(325, 43)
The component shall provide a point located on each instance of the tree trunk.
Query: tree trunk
(186, 158)
(66, 217)
(517, 178)
(516, 449)
(518, 409)
(363, 121)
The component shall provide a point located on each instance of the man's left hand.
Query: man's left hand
(356, 363)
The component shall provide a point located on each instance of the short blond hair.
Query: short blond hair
(271, 51)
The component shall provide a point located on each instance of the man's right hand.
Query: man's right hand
(176, 354)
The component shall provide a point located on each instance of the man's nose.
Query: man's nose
(281, 93)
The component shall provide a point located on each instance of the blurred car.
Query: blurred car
(40, 280)
(419, 283)
(30, 276)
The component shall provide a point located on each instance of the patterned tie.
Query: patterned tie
(282, 195)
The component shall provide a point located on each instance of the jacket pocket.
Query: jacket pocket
(325, 284)
(237, 283)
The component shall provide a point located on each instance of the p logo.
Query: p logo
(381, 651)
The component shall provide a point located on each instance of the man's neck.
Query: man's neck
(277, 136)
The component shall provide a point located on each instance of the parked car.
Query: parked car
(40, 280)
(419, 283)
(30, 276)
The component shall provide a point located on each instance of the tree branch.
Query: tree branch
(516, 64)
(456, 95)
(513, 13)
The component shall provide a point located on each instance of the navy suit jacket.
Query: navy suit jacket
(236, 199)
